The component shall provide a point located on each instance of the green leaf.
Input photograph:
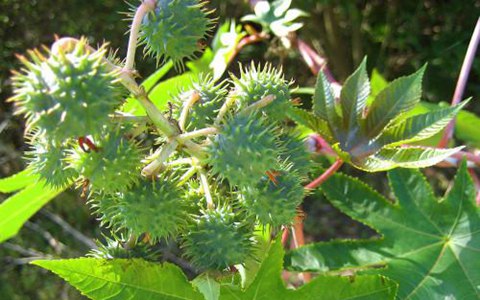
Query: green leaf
(377, 84)
(268, 284)
(280, 7)
(201, 65)
(253, 263)
(293, 14)
(419, 127)
(429, 246)
(304, 118)
(157, 75)
(17, 181)
(365, 287)
(398, 97)
(123, 278)
(208, 286)
(17, 209)
(466, 125)
(404, 157)
(324, 100)
(353, 99)
(466, 128)
(224, 44)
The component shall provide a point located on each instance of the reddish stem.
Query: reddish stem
(321, 145)
(300, 241)
(462, 81)
(314, 61)
(285, 235)
(249, 39)
(298, 235)
(322, 178)
(468, 156)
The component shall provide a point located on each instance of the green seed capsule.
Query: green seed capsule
(216, 240)
(67, 94)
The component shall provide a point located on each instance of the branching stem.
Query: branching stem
(163, 125)
(160, 156)
(197, 133)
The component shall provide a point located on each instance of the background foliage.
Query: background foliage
(398, 37)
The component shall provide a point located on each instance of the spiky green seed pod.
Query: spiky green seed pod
(255, 83)
(274, 202)
(154, 207)
(114, 166)
(172, 30)
(205, 99)
(48, 160)
(216, 240)
(67, 94)
(116, 248)
(244, 150)
(294, 151)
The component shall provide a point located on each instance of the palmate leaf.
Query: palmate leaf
(429, 246)
(404, 157)
(123, 279)
(268, 284)
(101, 279)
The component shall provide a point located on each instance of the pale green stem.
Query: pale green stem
(197, 133)
(259, 104)
(194, 97)
(160, 156)
(120, 117)
(179, 162)
(206, 189)
(185, 177)
(223, 110)
(142, 10)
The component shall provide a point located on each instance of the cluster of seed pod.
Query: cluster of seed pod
(246, 171)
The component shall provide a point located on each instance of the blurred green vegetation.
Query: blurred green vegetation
(398, 37)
